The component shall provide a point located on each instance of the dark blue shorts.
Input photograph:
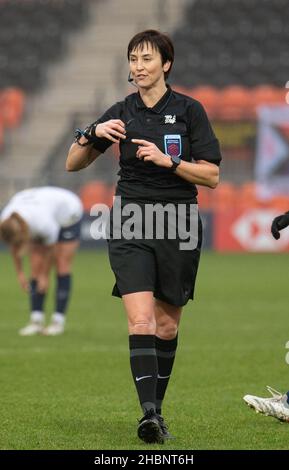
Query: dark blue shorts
(71, 233)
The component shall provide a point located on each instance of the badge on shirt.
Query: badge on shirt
(173, 145)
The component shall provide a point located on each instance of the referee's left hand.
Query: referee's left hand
(149, 152)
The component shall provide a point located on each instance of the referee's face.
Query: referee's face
(146, 67)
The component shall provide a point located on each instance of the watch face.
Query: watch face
(176, 160)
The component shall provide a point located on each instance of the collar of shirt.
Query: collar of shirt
(159, 106)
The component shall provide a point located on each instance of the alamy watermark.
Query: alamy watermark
(146, 221)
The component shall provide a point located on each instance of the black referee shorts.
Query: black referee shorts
(156, 265)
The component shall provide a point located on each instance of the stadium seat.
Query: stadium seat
(95, 192)
(280, 203)
(208, 96)
(205, 196)
(266, 95)
(235, 102)
(248, 196)
(11, 107)
(246, 39)
(225, 196)
(32, 33)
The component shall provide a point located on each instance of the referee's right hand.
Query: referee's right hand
(113, 130)
(280, 222)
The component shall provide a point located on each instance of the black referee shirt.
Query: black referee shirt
(178, 125)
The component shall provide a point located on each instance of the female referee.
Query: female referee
(167, 146)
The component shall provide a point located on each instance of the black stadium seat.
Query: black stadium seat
(32, 34)
(244, 41)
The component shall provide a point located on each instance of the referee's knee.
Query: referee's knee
(167, 331)
(142, 326)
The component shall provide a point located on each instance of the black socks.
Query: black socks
(151, 360)
(63, 289)
(143, 362)
(36, 298)
(166, 350)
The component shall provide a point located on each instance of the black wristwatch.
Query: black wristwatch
(175, 161)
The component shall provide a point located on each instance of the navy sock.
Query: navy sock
(166, 350)
(36, 298)
(63, 289)
(143, 361)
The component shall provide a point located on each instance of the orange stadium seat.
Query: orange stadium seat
(204, 198)
(12, 102)
(95, 192)
(235, 103)
(225, 196)
(266, 94)
(247, 196)
(280, 203)
(208, 96)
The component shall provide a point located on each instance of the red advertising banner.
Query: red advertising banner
(247, 230)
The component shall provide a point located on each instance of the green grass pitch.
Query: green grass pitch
(76, 392)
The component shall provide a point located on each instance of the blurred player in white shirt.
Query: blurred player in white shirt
(44, 223)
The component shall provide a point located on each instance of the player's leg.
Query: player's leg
(177, 270)
(134, 266)
(40, 262)
(139, 307)
(64, 253)
(167, 322)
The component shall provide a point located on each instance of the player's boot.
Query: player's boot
(53, 329)
(149, 429)
(164, 428)
(275, 406)
(56, 327)
(33, 328)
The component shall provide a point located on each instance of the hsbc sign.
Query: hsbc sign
(253, 231)
(248, 230)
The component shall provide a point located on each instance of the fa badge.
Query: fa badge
(169, 119)
(173, 145)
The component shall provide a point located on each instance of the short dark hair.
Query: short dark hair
(159, 41)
